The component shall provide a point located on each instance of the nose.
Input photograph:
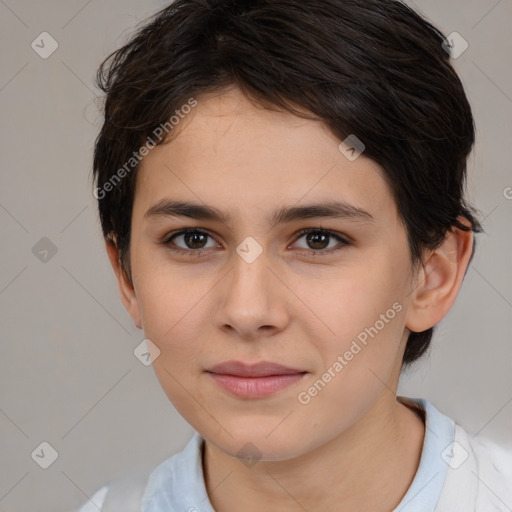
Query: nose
(253, 302)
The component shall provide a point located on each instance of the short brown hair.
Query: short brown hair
(373, 68)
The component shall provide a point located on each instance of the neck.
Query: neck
(366, 468)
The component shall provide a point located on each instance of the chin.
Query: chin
(254, 443)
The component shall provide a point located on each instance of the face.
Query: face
(268, 278)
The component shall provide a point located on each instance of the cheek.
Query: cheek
(358, 362)
(173, 312)
(360, 325)
(171, 318)
(357, 303)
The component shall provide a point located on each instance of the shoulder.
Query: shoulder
(95, 503)
(494, 472)
(154, 487)
(177, 482)
(479, 475)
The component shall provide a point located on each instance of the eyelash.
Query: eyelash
(197, 252)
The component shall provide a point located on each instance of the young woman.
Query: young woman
(281, 190)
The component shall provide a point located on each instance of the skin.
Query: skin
(353, 446)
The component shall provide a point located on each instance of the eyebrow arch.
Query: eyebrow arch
(329, 209)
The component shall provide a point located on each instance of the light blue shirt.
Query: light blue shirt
(456, 474)
(178, 484)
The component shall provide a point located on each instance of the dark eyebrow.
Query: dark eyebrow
(332, 209)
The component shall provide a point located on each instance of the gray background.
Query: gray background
(68, 375)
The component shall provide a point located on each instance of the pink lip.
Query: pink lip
(256, 380)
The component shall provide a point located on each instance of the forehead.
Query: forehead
(237, 156)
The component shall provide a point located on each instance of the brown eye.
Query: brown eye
(195, 240)
(321, 240)
(318, 240)
(189, 240)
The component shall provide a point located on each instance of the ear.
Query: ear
(125, 285)
(439, 280)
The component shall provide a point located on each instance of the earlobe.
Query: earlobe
(124, 283)
(439, 280)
